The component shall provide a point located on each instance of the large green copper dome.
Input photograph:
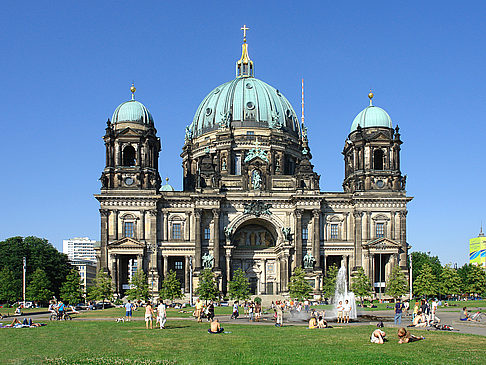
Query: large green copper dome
(371, 116)
(245, 102)
(132, 111)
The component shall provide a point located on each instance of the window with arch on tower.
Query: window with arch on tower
(129, 156)
(378, 157)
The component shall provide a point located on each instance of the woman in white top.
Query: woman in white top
(340, 311)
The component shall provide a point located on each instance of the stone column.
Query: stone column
(345, 227)
(103, 264)
(142, 223)
(114, 274)
(357, 239)
(298, 237)
(264, 276)
(368, 226)
(372, 269)
(186, 275)
(216, 238)
(166, 265)
(115, 223)
(139, 262)
(403, 239)
(284, 273)
(153, 238)
(166, 226)
(392, 225)
(197, 249)
(316, 244)
(187, 226)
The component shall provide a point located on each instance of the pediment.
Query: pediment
(126, 242)
(382, 243)
(129, 132)
(380, 136)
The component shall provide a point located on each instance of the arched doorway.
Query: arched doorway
(255, 241)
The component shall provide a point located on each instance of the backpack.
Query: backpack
(380, 324)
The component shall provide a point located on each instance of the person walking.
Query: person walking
(199, 309)
(433, 310)
(398, 311)
(211, 311)
(236, 312)
(149, 312)
(161, 314)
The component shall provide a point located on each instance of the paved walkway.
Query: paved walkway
(447, 316)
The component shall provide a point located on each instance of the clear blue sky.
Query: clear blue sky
(67, 65)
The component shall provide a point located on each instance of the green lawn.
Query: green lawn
(187, 342)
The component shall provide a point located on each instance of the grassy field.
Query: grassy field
(187, 342)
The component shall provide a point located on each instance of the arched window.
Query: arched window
(378, 159)
(129, 156)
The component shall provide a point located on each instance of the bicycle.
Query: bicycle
(478, 316)
(60, 316)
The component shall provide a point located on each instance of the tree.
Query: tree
(171, 287)
(473, 278)
(426, 283)
(139, 288)
(329, 286)
(360, 284)
(419, 259)
(71, 291)
(239, 288)
(299, 287)
(396, 285)
(38, 288)
(10, 286)
(40, 254)
(102, 288)
(207, 288)
(450, 281)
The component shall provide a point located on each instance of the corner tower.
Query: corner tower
(132, 149)
(372, 153)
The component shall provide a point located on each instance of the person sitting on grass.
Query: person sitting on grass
(465, 316)
(378, 336)
(321, 322)
(406, 337)
(312, 323)
(419, 321)
(216, 327)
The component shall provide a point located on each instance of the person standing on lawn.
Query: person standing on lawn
(149, 313)
(199, 310)
(398, 311)
(128, 311)
(236, 313)
(161, 314)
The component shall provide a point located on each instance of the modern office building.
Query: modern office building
(80, 248)
(477, 250)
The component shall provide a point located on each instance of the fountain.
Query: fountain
(341, 293)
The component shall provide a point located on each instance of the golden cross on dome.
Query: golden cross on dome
(244, 29)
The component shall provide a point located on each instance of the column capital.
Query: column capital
(215, 213)
(403, 213)
(316, 212)
(298, 213)
(153, 212)
(104, 212)
(198, 212)
(357, 214)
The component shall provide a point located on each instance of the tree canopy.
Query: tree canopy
(239, 288)
(139, 289)
(299, 288)
(450, 281)
(473, 279)
(10, 286)
(171, 287)
(71, 292)
(426, 283)
(330, 280)
(207, 288)
(38, 287)
(419, 259)
(397, 284)
(360, 284)
(102, 288)
(40, 254)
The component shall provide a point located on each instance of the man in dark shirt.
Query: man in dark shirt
(398, 311)
(425, 308)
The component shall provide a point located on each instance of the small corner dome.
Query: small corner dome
(167, 186)
(372, 116)
(132, 111)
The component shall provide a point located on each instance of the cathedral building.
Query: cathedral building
(251, 198)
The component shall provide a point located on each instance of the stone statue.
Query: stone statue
(275, 121)
(286, 233)
(223, 167)
(228, 231)
(257, 208)
(309, 261)
(225, 120)
(256, 180)
(188, 135)
(208, 261)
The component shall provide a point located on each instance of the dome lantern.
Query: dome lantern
(371, 116)
(244, 66)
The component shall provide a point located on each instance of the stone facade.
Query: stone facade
(250, 200)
